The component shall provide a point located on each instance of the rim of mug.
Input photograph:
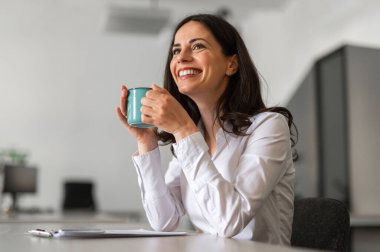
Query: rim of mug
(139, 88)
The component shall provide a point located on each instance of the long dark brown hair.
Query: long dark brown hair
(242, 97)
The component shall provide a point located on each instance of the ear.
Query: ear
(233, 65)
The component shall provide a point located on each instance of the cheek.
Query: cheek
(213, 66)
(210, 60)
(172, 69)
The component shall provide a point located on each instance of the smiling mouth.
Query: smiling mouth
(188, 72)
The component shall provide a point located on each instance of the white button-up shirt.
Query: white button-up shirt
(244, 190)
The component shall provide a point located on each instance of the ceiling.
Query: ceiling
(151, 16)
(257, 3)
(267, 4)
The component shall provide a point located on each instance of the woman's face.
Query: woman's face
(198, 65)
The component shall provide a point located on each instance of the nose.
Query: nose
(184, 56)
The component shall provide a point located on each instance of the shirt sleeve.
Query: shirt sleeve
(161, 201)
(230, 206)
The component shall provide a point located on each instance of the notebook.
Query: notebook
(100, 233)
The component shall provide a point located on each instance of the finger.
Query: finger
(123, 101)
(152, 92)
(122, 117)
(148, 111)
(147, 119)
(149, 101)
(158, 88)
(156, 93)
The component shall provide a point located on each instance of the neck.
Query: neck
(210, 128)
(206, 103)
(208, 117)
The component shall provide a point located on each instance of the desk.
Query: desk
(74, 217)
(13, 237)
(364, 221)
(365, 233)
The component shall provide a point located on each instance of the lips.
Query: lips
(184, 72)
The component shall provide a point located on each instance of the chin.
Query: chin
(189, 88)
(183, 89)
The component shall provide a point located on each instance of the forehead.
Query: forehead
(190, 30)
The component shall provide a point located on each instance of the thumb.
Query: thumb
(158, 88)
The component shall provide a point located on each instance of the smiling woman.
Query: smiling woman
(232, 171)
(198, 65)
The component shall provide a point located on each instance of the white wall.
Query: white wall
(285, 43)
(60, 75)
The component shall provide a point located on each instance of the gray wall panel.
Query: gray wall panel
(332, 126)
(337, 112)
(303, 108)
(363, 82)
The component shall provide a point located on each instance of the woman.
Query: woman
(232, 170)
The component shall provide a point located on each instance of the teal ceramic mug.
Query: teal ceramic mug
(134, 107)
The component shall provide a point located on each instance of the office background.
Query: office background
(61, 71)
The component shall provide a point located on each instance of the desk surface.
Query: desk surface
(75, 217)
(13, 237)
(364, 221)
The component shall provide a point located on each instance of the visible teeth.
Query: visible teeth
(188, 72)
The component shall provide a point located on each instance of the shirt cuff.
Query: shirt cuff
(190, 148)
(150, 177)
(192, 154)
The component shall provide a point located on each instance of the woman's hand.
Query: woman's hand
(164, 111)
(146, 137)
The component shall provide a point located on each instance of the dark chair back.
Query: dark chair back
(321, 223)
(78, 196)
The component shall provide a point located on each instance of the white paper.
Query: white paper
(142, 232)
(99, 233)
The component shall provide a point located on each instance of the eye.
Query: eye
(176, 51)
(198, 46)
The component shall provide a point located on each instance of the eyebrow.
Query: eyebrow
(191, 41)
